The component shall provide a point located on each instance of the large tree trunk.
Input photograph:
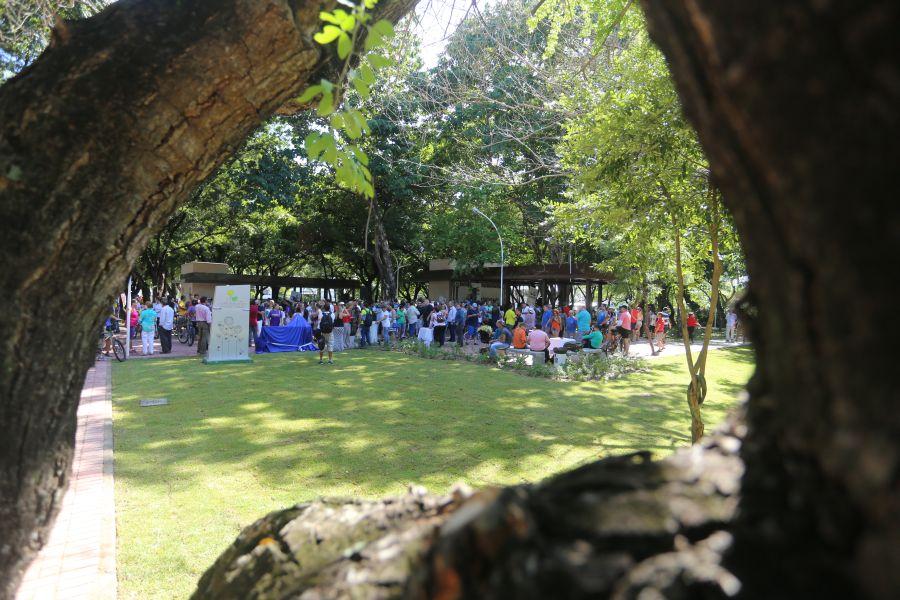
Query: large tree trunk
(796, 106)
(100, 140)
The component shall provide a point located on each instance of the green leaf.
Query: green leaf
(349, 23)
(331, 152)
(329, 18)
(326, 85)
(337, 121)
(359, 119)
(373, 40)
(351, 126)
(328, 34)
(361, 156)
(326, 105)
(316, 143)
(309, 93)
(379, 62)
(370, 4)
(344, 45)
(384, 28)
(361, 87)
(366, 74)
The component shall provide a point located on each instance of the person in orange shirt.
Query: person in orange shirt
(637, 321)
(519, 336)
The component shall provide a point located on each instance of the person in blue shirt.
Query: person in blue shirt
(502, 339)
(571, 325)
(584, 321)
(602, 317)
(545, 318)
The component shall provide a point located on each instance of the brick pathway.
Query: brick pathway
(79, 560)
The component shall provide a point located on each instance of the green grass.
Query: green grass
(237, 441)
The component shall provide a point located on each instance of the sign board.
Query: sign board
(230, 330)
(154, 401)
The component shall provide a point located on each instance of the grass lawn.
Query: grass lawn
(237, 441)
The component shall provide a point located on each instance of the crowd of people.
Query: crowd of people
(356, 324)
(339, 326)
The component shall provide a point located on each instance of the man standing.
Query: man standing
(460, 323)
(730, 326)
(528, 317)
(204, 318)
(365, 323)
(166, 323)
(545, 318)
(510, 317)
(326, 332)
(451, 320)
(412, 320)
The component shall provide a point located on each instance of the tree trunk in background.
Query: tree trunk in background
(796, 105)
(381, 255)
(101, 139)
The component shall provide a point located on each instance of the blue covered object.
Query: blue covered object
(296, 336)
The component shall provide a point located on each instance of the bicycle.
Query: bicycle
(184, 330)
(118, 348)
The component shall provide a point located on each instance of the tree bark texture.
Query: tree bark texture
(619, 528)
(795, 102)
(101, 139)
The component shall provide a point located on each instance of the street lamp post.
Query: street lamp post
(476, 211)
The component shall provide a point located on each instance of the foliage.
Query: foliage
(337, 145)
(25, 27)
(586, 367)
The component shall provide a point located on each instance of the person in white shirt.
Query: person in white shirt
(166, 323)
(412, 320)
(384, 320)
(451, 321)
(731, 320)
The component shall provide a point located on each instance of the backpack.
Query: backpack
(326, 325)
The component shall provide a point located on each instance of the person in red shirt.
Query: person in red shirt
(660, 330)
(254, 318)
(692, 324)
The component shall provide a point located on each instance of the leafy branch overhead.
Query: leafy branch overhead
(337, 144)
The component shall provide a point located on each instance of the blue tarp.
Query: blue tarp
(296, 336)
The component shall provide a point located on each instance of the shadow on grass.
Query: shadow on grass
(381, 420)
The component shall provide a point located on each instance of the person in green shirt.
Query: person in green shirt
(401, 321)
(593, 339)
(510, 316)
(147, 319)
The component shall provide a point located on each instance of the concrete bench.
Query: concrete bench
(592, 351)
(537, 358)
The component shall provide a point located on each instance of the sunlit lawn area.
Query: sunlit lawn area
(237, 441)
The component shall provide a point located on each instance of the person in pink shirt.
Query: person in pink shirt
(539, 341)
(624, 324)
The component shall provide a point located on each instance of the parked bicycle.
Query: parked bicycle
(115, 345)
(184, 330)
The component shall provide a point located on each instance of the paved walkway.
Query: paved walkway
(79, 560)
